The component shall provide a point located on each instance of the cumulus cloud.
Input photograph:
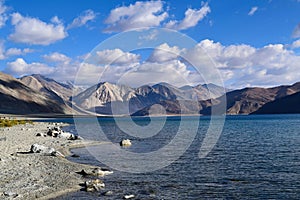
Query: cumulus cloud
(62, 72)
(115, 57)
(191, 19)
(296, 44)
(138, 15)
(57, 58)
(164, 53)
(83, 19)
(16, 51)
(174, 72)
(151, 36)
(6, 53)
(3, 15)
(252, 10)
(34, 31)
(243, 65)
(239, 65)
(20, 67)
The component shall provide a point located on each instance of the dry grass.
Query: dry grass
(12, 122)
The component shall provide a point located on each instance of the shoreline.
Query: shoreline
(34, 175)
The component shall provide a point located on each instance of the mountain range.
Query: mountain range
(36, 94)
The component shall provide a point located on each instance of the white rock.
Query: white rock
(125, 142)
(10, 194)
(94, 185)
(65, 135)
(130, 196)
(36, 148)
(101, 172)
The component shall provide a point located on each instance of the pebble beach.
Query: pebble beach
(27, 175)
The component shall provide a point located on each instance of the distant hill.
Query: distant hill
(36, 94)
(288, 104)
(17, 98)
(249, 100)
(105, 96)
(47, 86)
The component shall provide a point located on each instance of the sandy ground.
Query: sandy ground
(36, 176)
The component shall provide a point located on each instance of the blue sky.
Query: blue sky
(252, 43)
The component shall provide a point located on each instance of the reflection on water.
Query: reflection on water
(257, 157)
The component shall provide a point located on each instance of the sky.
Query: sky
(253, 43)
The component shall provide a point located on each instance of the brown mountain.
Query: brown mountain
(249, 100)
(49, 87)
(288, 104)
(36, 94)
(17, 98)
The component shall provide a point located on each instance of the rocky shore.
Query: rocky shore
(27, 173)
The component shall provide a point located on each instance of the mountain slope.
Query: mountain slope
(107, 98)
(17, 98)
(249, 100)
(284, 105)
(48, 86)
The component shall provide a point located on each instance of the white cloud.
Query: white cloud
(139, 15)
(252, 10)
(57, 57)
(296, 32)
(164, 53)
(191, 19)
(240, 65)
(20, 67)
(17, 52)
(2, 50)
(243, 65)
(115, 57)
(34, 31)
(296, 44)
(4, 54)
(3, 15)
(63, 72)
(174, 72)
(151, 36)
(56, 20)
(84, 18)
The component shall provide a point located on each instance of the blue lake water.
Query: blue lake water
(256, 157)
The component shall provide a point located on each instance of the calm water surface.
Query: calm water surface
(256, 157)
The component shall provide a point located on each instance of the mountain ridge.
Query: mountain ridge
(39, 94)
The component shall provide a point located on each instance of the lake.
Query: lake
(255, 157)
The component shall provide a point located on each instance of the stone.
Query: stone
(57, 132)
(101, 172)
(10, 194)
(125, 142)
(108, 193)
(36, 148)
(94, 185)
(130, 196)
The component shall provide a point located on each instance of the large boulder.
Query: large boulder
(57, 132)
(125, 142)
(36, 148)
(101, 172)
(94, 185)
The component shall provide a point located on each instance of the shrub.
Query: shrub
(12, 122)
